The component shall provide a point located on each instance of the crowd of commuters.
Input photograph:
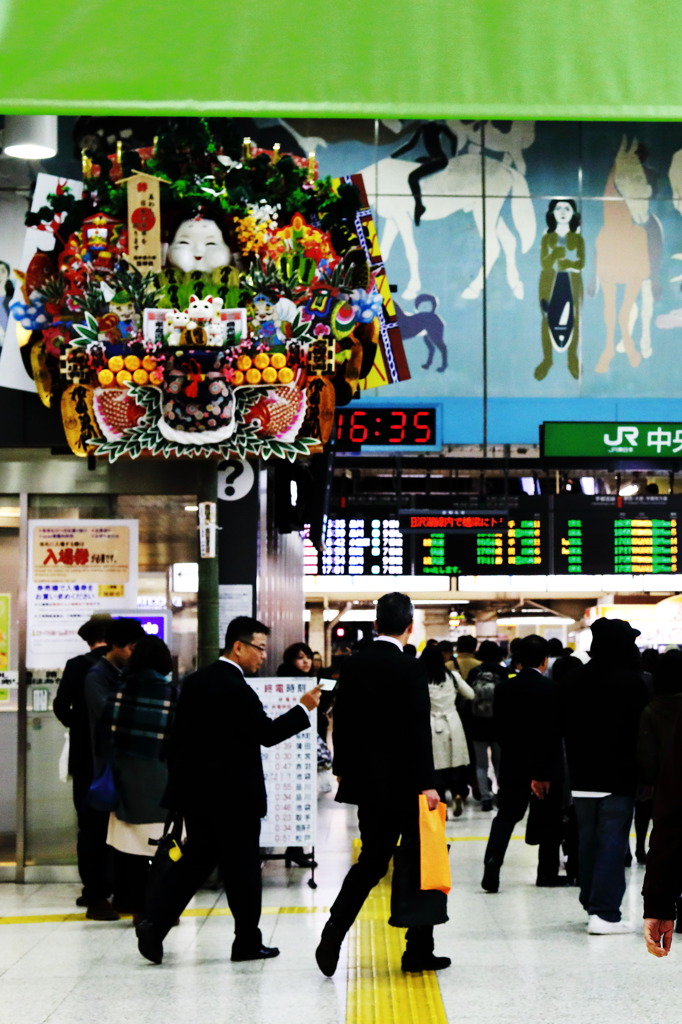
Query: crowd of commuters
(580, 743)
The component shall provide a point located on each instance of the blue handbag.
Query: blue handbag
(102, 794)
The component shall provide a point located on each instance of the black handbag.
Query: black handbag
(412, 907)
(168, 853)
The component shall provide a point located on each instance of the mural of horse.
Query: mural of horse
(455, 189)
(626, 247)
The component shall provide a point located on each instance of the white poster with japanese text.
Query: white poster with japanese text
(76, 568)
(290, 769)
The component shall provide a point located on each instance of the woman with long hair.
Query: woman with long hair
(450, 751)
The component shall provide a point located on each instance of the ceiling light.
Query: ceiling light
(628, 490)
(31, 137)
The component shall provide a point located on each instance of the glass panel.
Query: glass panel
(9, 575)
(167, 534)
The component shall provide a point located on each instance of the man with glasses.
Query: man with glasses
(216, 781)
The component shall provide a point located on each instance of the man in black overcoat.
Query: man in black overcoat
(526, 718)
(216, 781)
(384, 760)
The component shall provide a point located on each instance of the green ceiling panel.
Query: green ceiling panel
(588, 59)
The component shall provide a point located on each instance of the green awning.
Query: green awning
(504, 59)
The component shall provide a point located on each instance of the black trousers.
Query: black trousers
(230, 843)
(512, 802)
(381, 825)
(94, 856)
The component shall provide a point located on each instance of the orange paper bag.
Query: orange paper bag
(433, 848)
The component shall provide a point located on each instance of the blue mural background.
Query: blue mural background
(467, 276)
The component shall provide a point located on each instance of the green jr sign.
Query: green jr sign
(595, 440)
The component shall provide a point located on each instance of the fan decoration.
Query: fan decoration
(206, 300)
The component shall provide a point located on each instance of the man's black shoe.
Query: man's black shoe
(256, 953)
(81, 901)
(412, 963)
(552, 881)
(327, 953)
(486, 805)
(149, 943)
(491, 877)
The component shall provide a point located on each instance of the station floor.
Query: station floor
(521, 956)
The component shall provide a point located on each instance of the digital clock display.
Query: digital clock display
(385, 428)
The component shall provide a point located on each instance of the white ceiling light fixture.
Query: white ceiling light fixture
(30, 137)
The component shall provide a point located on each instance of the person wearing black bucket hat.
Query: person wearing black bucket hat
(71, 709)
(601, 704)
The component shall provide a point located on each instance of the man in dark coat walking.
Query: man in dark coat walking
(216, 781)
(601, 704)
(525, 716)
(384, 760)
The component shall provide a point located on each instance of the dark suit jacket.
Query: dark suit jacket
(601, 704)
(663, 879)
(214, 754)
(382, 726)
(526, 717)
(72, 711)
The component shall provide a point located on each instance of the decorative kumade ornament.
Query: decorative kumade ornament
(206, 306)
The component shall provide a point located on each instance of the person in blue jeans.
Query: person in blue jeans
(600, 706)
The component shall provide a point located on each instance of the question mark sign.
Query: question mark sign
(235, 479)
(231, 472)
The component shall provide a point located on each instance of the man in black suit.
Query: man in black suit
(383, 758)
(526, 718)
(216, 781)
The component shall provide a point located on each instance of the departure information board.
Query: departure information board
(358, 546)
(608, 539)
(475, 542)
(548, 534)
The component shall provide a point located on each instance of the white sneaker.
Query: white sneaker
(598, 926)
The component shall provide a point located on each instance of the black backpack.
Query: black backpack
(483, 684)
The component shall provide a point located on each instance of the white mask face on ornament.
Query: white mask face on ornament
(198, 245)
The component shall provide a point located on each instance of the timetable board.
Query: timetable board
(477, 542)
(369, 545)
(290, 768)
(609, 539)
(563, 534)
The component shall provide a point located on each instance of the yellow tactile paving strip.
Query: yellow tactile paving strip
(378, 991)
(192, 912)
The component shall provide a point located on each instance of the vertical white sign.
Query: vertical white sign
(290, 769)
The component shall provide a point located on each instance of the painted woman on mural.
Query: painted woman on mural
(562, 257)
